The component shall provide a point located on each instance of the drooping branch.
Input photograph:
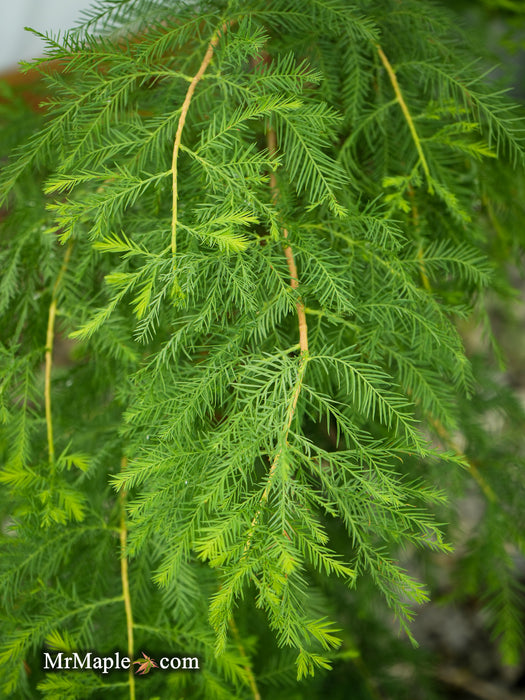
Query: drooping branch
(303, 346)
(50, 337)
(182, 120)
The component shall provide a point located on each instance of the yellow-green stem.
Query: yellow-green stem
(407, 115)
(125, 583)
(50, 336)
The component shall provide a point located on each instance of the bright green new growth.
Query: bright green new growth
(259, 223)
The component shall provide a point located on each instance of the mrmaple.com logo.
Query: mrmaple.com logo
(89, 661)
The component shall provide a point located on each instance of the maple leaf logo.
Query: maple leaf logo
(145, 665)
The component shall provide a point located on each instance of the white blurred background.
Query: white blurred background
(42, 15)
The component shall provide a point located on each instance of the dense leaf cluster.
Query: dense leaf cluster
(258, 447)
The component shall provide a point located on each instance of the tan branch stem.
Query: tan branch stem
(288, 251)
(407, 115)
(125, 583)
(182, 119)
(50, 336)
(303, 345)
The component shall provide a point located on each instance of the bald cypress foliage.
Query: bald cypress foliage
(255, 230)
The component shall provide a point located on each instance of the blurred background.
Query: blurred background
(16, 44)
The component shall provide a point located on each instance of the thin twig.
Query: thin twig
(50, 336)
(182, 119)
(125, 582)
(417, 231)
(247, 668)
(407, 115)
(474, 471)
(422, 270)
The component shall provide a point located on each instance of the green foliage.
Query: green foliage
(260, 486)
